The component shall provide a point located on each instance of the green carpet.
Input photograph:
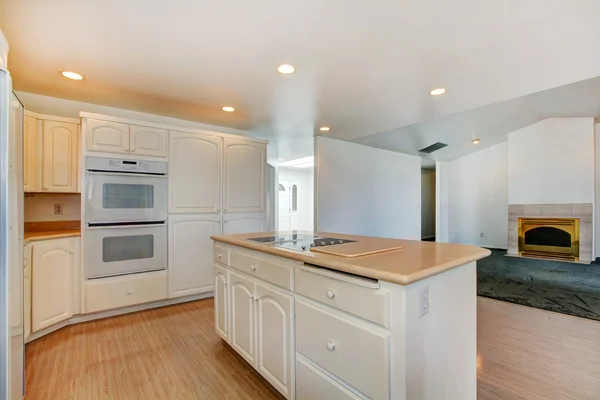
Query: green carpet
(563, 287)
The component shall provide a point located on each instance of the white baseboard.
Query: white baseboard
(77, 319)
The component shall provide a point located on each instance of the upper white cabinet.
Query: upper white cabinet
(60, 156)
(244, 176)
(145, 141)
(53, 271)
(243, 223)
(106, 136)
(194, 173)
(121, 138)
(190, 253)
(32, 151)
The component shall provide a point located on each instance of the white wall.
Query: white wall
(427, 203)
(442, 188)
(40, 207)
(305, 179)
(477, 198)
(596, 230)
(551, 162)
(3, 51)
(367, 191)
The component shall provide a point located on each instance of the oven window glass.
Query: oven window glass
(119, 195)
(123, 248)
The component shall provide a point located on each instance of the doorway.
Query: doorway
(428, 208)
(296, 199)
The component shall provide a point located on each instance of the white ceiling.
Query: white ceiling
(491, 123)
(362, 67)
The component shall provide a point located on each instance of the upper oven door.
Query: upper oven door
(116, 197)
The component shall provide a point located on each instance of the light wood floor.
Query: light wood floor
(173, 353)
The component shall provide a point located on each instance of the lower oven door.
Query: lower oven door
(126, 249)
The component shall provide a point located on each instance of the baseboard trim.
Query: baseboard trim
(77, 319)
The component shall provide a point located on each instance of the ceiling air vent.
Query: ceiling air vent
(433, 147)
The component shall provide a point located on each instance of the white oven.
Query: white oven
(125, 249)
(119, 190)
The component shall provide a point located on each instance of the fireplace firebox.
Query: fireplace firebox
(549, 237)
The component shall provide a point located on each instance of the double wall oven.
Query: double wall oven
(125, 212)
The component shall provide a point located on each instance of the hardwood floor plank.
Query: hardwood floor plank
(173, 353)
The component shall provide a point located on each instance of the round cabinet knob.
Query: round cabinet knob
(330, 294)
(330, 346)
(71, 251)
(129, 291)
(45, 188)
(133, 150)
(253, 267)
(219, 255)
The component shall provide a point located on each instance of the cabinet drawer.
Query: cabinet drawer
(221, 254)
(123, 291)
(354, 353)
(370, 303)
(314, 384)
(273, 271)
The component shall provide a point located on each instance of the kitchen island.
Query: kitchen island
(332, 316)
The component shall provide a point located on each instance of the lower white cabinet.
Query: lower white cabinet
(27, 292)
(54, 267)
(190, 253)
(261, 325)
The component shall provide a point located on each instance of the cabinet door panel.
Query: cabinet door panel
(221, 302)
(145, 141)
(241, 300)
(110, 137)
(274, 316)
(190, 255)
(244, 169)
(194, 173)
(60, 155)
(53, 263)
(243, 223)
(32, 155)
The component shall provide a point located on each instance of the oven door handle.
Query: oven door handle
(131, 175)
(127, 226)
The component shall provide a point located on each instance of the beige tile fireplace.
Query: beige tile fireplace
(569, 226)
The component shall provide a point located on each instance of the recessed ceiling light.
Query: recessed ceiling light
(286, 69)
(475, 141)
(324, 129)
(437, 92)
(228, 109)
(72, 75)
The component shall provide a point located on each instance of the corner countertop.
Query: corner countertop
(415, 261)
(47, 235)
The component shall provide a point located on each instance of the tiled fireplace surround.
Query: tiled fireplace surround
(583, 211)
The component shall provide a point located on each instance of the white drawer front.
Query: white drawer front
(356, 354)
(123, 291)
(275, 272)
(221, 254)
(313, 384)
(365, 302)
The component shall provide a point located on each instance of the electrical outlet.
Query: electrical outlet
(424, 303)
(58, 209)
(481, 234)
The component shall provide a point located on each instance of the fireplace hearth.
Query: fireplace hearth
(549, 237)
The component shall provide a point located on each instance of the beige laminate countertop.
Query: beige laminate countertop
(415, 261)
(46, 235)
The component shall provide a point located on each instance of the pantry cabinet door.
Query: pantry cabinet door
(244, 166)
(146, 141)
(190, 253)
(242, 330)
(234, 224)
(194, 173)
(32, 154)
(274, 325)
(105, 136)
(60, 156)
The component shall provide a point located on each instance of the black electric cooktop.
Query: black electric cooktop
(299, 242)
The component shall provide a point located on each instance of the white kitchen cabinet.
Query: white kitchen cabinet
(274, 324)
(194, 173)
(32, 154)
(60, 156)
(243, 223)
(106, 136)
(146, 141)
(53, 270)
(27, 292)
(243, 321)
(190, 253)
(221, 307)
(244, 164)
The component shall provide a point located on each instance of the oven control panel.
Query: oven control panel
(125, 165)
